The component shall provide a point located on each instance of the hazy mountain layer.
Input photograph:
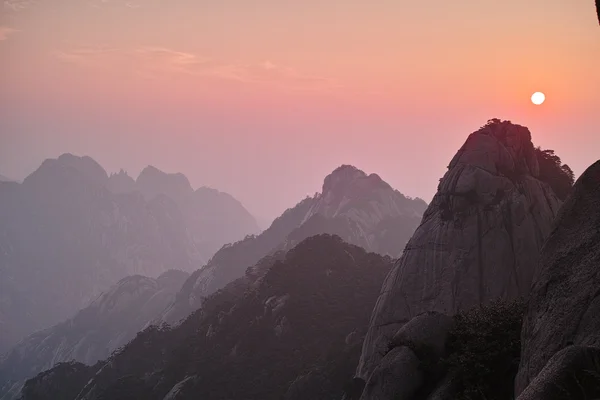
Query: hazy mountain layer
(69, 232)
(109, 322)
(295, 332)
(362, 209)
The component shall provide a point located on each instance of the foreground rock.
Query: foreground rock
(572, 373)
(479, 239)
(564, 307)
(110, 322)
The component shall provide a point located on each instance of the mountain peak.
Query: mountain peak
(514, 156)
(347, 175)
(69, 165)
(153, 182)
(479, 239)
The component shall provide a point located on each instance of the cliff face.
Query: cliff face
(564, 306)
(362, 209)
(479, 239)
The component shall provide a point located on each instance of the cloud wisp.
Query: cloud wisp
(5, 32)
(152, 62)
(18, 5)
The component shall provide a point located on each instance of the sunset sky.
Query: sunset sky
(263, 98)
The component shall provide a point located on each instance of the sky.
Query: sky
(264, 98)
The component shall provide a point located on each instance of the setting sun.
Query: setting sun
(538, 98)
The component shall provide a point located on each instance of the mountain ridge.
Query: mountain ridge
(353, 205)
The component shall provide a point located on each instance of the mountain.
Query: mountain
(561, 330)
(65, 238)
(295, 333)
(213, 218)
(109, 322)
(362, 209)
(479, 241)
(5, 179)
(70, 231)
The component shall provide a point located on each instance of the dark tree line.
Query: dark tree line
(552, 171)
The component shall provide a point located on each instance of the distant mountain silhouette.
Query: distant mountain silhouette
(293, 333)
(362, 209)
(69, 232)
(5, 179)
(214, 218)
(109, 322)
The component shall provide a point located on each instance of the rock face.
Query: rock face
(479, 239)
(572, 373)
(361, 209)
(109, 322)
(293, 334)
(564, 307)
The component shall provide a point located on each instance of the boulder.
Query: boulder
(398, 376)
(426, 332)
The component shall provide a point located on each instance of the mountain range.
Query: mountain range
(273, 330)
(307, 309)
(289, 328)
(65, 237)
(109, 322)
(360, 208)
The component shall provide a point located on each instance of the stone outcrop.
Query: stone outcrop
(572, 373)
(564, 307)
(479, 239)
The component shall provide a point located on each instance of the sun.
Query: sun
(538, 98)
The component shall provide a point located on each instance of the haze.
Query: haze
(263, 98)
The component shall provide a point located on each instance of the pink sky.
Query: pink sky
(262, 98)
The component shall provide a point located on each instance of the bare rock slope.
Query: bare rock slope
(479, 239)
(564, 307)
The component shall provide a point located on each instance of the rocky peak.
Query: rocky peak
(364, 199)
(120, 182)
(479, 239)
(514, 156)
(152, 182)
(346, 177)
(68, 166)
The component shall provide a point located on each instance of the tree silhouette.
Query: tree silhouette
(558, 175)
